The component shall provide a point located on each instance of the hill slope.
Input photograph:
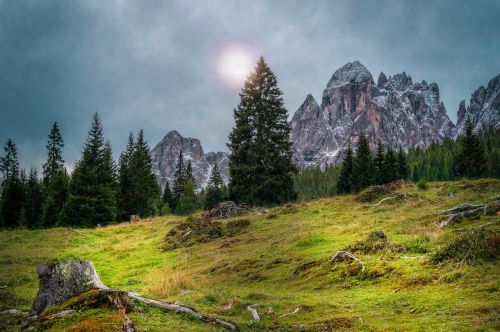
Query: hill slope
(399, 290)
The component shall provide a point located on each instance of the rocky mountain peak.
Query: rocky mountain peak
(400, 81)
(351, 72)
(382, 80)
(483, 109)
(164, 159)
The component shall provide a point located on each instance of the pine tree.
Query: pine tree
(125, 179)
(55, 197)
(179, 180)
(167, 197)
(260, 162)
(402, 165)
(214, 192)
(188, 202)
(363, 164)
(378, 164)
(188, 173)
(33, 201)
(345, 182)
(55, 162)
(144, 188)
(471, 159)
(92, 198)
(12, 199)
(390, 166)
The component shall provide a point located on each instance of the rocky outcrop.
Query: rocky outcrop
(396, 110)
(164, 157)
(483, 109)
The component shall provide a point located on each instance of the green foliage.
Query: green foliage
(363, 165)
(391, 169)
(33, 201)
(55, 162)
(188, 201)
(12, 199)
(260, 163)
(375, 241)
(345, 183)
(92, 192)
(55, 193)
(125, 198)
(470, 247)
(378, 164)
(313, 183)
(179, 181)
(166, 199)
(471, 159)
(422, 185)
(215, 189)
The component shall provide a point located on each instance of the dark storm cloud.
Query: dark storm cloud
(150, 64)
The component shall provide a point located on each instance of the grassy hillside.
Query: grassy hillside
(400, 290)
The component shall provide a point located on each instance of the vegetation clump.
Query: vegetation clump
(376, 240)
(470, 247)
(372, 193)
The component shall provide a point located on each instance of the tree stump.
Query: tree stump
(63, 280)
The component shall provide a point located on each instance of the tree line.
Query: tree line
(97, 192)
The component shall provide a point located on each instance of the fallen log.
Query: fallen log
(63, 280)
(468, 210)
(387, 199)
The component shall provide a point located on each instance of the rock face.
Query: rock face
(395, 110)
(62, 280)
(165, 153)
(483, 109)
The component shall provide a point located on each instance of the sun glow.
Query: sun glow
(234, 64)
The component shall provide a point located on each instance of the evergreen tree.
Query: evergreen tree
(188, 202)
(260, 163)
(55, 162)
(12, 199)
(214, 192)
(378, 164)
(471, 158)
(402, 165)
(189, 173)
(55, 194)
(144, 189)
(92, 198)
(33, 201)
(363, 164)
(390, 166)
(125, 198)
(179, 180)
(167, 197)
(345, 183)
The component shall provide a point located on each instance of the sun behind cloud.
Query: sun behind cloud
(234, 64)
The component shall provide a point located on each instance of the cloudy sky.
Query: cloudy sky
(155, 64)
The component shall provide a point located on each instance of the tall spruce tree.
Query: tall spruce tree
(402, 164)
(345, 183)
(363, 164)
(390, 166)
(92, 198)
(189, 173)
(260, 163)
(214, 192)
(144, 188)
(12, 199)
(167, 196)
(471, 159)
(179, 181)
(55, 162)
(125, 198)
(378, 164)
(55, 180)
(33, 201)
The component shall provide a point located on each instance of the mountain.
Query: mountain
(165, 153)
(483, 109)
(395, 110)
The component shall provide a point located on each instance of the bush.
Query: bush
(470, 247)
(375, 241)
(422, 185)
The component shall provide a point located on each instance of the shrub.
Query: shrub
(422, 185)
(470, 247)
(375, 241)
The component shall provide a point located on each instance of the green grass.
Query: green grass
(399, 291)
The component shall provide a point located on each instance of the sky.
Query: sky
(155, 64)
